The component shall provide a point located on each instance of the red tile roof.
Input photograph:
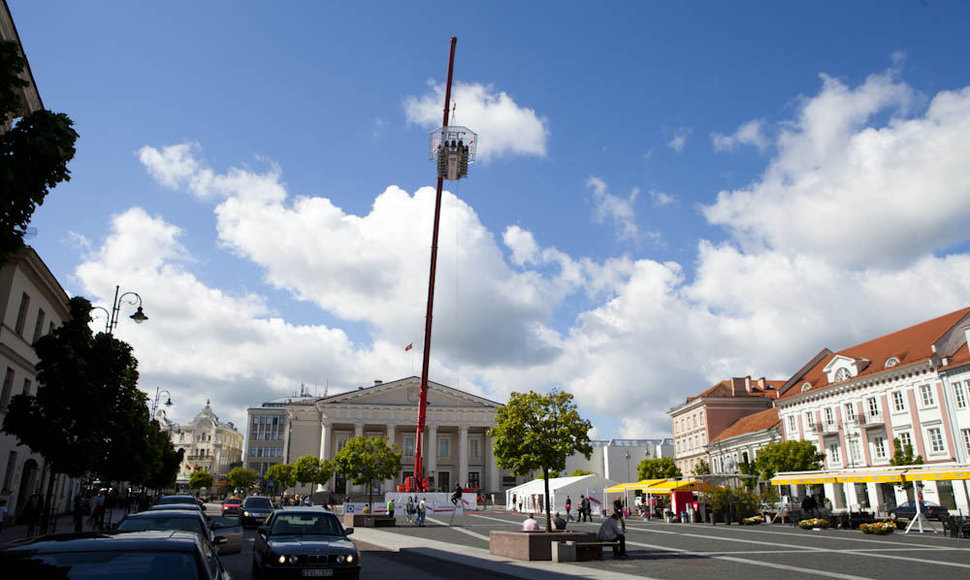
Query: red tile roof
(751, 424)
(909, 345)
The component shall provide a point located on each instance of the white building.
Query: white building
(617, 459)
(32, 304)
(457, 448)
(209, 445)
(910, 385)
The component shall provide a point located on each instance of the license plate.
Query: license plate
(318, 572)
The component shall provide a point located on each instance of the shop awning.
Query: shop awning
(870, 477)
(930, 473)
(684, 485)
(803, 478)
(639, 485)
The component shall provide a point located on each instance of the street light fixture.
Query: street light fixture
(127, 298)
(168, 401)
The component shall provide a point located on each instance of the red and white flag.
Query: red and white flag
(409, 347)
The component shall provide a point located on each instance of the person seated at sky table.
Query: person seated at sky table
(530, 524)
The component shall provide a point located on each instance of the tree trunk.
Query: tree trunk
(545, 480)
(48, 511)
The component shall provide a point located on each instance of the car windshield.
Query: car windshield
(106, 565)
(234, 501)
(161, 523)
(176, 499)
(297, 524)
(259, 502)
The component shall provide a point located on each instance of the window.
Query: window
(926, 394)
(444, 447)
(806, 386)
(810, 419)
(842, 374)
(854, 451)
(891, 362)
(39, 325)
(409, 446)
(791, 423)
(873, 405)
(27, 385)
(879, 447)
(905, 439)
(960, 394)
(936, 440)
(8, 475)
(474, 448)
(7, 385)
(849, 411)
(966, 439)
(834, 455)
(898, 401)
(22, 314)
(829, 416)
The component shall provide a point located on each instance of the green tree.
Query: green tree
(579, 472)
(282, 476)
(168, 467)
(734, 502)
(538, 432)
(787, 456)
(660, 468)
(200, 479)
(702, 468)
(365, 459)
(309, 469)
(242, 477)
(33, 154)
(904, 455)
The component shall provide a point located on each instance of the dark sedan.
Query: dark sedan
(147, 555)
(907, 510)
(228, 541)
(255, 510)
(305, 543)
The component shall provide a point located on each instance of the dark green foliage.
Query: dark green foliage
(538, 432)
(661, 468)
(33, 154)
(200, 479)
(786, 456)
(735, 502)
(282, 476)
(242, 477)
(702, 468)
(365, 459)
(309, 469)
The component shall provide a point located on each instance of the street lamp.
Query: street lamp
(168, 400)
(128, 298)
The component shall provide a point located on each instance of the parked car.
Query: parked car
(255, 510)
(227, 541)
(231, 505)
(907, 510)
(180, 506)
(145, 555)
(305, 542)
(167, 499)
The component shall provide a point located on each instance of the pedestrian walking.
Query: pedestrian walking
(78, 514)
(409, 509)
(33, 509)
(422, 511)
(569, 507)
(582, 508)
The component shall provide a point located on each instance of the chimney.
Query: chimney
(737, 387)
(762, 383)
(747, 383)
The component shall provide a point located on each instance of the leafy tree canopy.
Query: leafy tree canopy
(33, 154)
(365, 459)
(282, 475)
(702, 468)
(787, 456)
(309, 469)
(242, 477)
(200, 479)
(579, 472)
(661, 468)
(538, 432)
(903, 454)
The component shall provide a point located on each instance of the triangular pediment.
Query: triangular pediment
(405, 392)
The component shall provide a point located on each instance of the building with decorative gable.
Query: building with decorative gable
(209, 445)
(911, 386)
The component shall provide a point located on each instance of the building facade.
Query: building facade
(617, 459)
(739, 444)
(209, 445)
(33, 304)
(701, 419)
(457, 448)
(267, 427)
(909, 386)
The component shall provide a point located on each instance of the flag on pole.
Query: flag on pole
(409, 347)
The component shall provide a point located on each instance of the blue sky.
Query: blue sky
(667, 195)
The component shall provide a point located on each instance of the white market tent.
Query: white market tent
(531, 495)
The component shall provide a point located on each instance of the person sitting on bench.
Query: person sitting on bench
(613, 529)
(558, 524)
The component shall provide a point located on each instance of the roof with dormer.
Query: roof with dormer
(929, 341)
(754, 423)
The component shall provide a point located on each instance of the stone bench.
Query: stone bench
(531, 546)
(571, 551)
(368, 521)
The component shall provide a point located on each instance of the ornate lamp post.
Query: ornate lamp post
(168, 400)
(127, 298)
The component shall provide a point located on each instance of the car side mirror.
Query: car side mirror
(348, 531)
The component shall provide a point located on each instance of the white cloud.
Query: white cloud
(750, 133)
(679, 140)
(661, 199)
(859, 182)
(504, 127)
(617, 210)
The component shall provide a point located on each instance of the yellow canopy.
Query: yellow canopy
(621, 487)
(930, 473)
(684, 485)
(870, 477)
(803, 478)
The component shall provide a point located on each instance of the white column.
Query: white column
(431, 446)
(494, 473)
(462, 476)
(326, 440)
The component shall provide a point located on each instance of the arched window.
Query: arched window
(842, 374)
(806, 386)
(891, 362)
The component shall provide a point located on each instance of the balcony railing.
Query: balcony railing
(872, 420)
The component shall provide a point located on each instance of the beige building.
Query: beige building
(209, 445)
(266, 429)
(457, 448)
(33, 303)
(700, 419)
